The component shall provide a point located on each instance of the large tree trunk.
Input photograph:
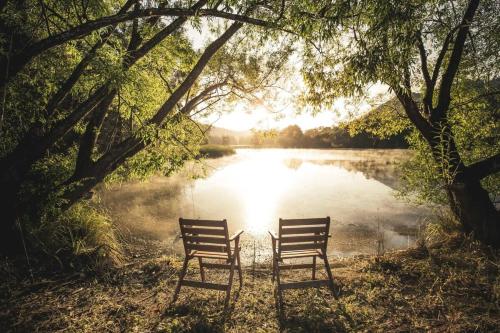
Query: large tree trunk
(10, 240)
(473, 207)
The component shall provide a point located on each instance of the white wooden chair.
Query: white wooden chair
(209, 240)
(301, 238)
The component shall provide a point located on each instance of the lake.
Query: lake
(255, 187)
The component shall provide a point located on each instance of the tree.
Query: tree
(84, 71)
(429, 47)
(318, 138)
(291, 137)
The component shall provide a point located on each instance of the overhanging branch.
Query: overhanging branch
(454, 62)
(484, 168)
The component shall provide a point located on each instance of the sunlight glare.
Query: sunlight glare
(261, 188)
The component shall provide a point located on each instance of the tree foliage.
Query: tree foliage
(441, 51)
(100, 91)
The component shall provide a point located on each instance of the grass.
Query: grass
(451, 285)
(216, 151)
(81, 238)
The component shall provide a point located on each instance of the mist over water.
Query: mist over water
(255, 187)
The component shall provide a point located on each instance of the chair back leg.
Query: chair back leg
(229, 285)
(274, 269)
(202, 270)
(240, 274)
(314, 269)
(329, 272)
(278, 282)
(181, 277)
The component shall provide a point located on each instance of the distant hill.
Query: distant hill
(219, 135)
(219, 131)
(385, 121)
(384, 126)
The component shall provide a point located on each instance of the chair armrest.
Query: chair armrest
(236, 235)
(273, 235)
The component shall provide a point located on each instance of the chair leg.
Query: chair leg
(181, 277)
(240, 274)
(280, 296)
(202, 270)
(314, 269)
(329, 272)
(229, 285)
(274, 268)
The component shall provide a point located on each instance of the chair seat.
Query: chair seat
(212, 255)
(300, 254)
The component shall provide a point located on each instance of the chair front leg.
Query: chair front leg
(181, 277)
(329, 272)
(229, 285)
(240, 274)
(274, 259)
(280, 296)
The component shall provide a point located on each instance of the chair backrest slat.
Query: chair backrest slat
(205, 235)
(301, 247)
(301, 239)
(202, 231)
(303, 234)
(203, 223)
(302, 230)
(313, 221)
(205, 239)
(206, 248)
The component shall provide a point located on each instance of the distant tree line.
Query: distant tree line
(327, 137)
(321, 137)
(223, 140)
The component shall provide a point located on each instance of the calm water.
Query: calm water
(255, 187)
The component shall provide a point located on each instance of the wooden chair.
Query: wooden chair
(209, 239)
(301, 238)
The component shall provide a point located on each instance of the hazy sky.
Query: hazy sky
(241, 119)
(244, 118)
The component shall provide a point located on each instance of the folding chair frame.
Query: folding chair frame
(209, 239)
(301, 238)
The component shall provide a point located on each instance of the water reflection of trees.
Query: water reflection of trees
(293, 163)
(383, 171)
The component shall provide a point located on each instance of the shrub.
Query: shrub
(80, 238)
(216, 151)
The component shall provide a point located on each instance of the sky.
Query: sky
(244, 118)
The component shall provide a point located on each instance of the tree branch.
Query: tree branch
(132, 55)
(133, 144)
(478, 97)
(484, 168)
(167, 107)
(423, 61)
(85, 29)
(82, 65)
(413, 113)
(194, 101)
(444, 97)
(440, 58)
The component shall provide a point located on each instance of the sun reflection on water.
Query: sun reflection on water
(260, 190)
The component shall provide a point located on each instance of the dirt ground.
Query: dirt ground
(450, 287)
